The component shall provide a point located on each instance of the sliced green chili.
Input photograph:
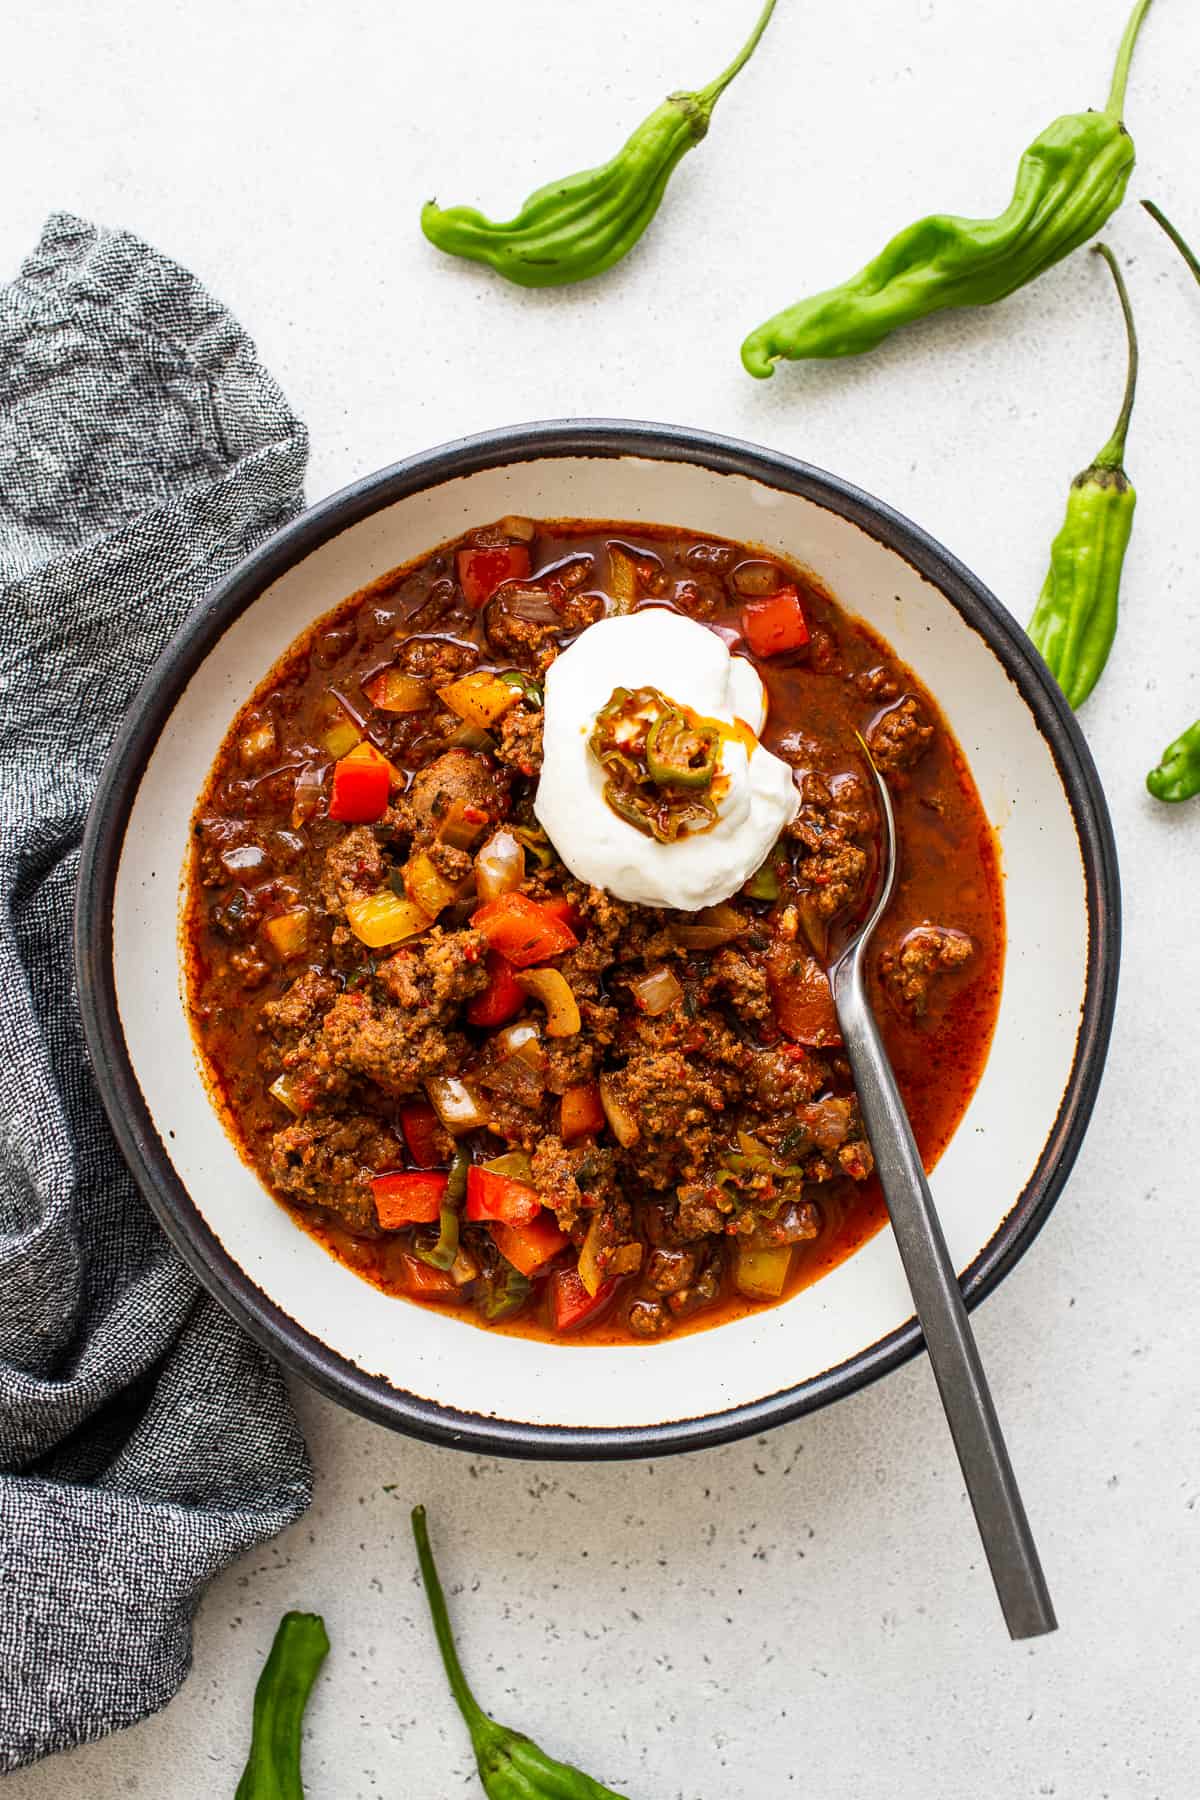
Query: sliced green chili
(661, 762)
(764, 883)
(501, 1292)
(575, 228)
(1070, 182)
(680, 754)
(511, 1767)
(1075, 620)
(273, 1769)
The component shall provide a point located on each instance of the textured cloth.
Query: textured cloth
(144, 1442)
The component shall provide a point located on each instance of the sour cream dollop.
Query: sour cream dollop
(691, 666)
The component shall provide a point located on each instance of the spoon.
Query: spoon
(991, 1485)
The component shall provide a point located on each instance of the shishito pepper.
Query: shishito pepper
(580, 226)
(511, 1767)
(1177, 776)
(1075, 619)
(1070, 181)
(273, 1771)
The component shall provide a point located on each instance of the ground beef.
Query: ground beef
(833, 865)
(526, 621)
(456, 775)
(438, 973)
(605, 932)
(900, 737)
(910, 969)
(327, 1161)
(575, 1180)
(519, 741)
(681, 1082)
(388, 1045)
(310, 995)
(742, 980)
(353, 867)
(437, 660)
(570, 1062)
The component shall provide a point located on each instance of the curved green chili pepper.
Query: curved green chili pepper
(1177, 776)
(1070, 181)
(578, 227)
(682, 755)
(511, 1767)
(273, 1771)
(1075, 620)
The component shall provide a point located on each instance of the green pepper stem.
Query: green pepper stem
(706, 98)
(477, 1720)
(1113, 453)
(1116, 96)
(1188, 254)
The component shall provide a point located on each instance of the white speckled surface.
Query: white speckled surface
(806, 1614)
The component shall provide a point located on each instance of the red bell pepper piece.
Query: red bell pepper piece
(582, 1111)
(361, 786)
(408, 1197)
(525, 931)
(570, 1303)
(502, 998)
(492, 1196)
(481, 571)
(422, 1134)
(776, 624)
(530, 1247)
(425, 1283)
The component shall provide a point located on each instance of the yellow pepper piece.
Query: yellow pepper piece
(288, 932)
(479, 698)
(385, 918)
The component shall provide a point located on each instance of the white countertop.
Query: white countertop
(807, 1613)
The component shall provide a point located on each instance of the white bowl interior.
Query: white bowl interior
(977, 1180)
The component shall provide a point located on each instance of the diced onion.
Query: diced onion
(288, 932)
(456, 1104)
(761, 1274)
(657, 991)
(395, 692)
(622, 579)
(284, 1090)
(524, 1040)
(709, 929)
(258, 744)
(385, 918)
(306, 792)
(553, 989)
(499, 866)
(522, 531)
(590, 1272)
(621, 1121)
(757, 579)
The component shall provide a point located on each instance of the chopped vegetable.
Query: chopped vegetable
(443, 1253)
(341, 738)
(764, 883)
(657, 991)
(258, 744)
(803, 1000)
(456, 1104)
(426, 886)
(419, 1124)
(660, 760)
(494, 1196)
(710, 928)
(408, 1197)
(501, 1292)
(553, 989)
(362, 786)
(273, 1770)
(287, 1091)
(482, 570)
(582, 1114)
(384, 918)
(624, 1126)
(756, 579)
(499, 865)
(529, 689)
(424, 1281)
(772, 626)
(590, 1272)
(526, 931)
(570, 1303)
(480, 697)
(761, 1274)
(502, 998)
(288, 932)
(530, 1247)
(461, 824)
(393, 691)
(623, 585)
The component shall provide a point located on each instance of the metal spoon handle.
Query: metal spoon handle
(991, 1485)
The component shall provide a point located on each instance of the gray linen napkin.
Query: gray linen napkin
(144, 1443)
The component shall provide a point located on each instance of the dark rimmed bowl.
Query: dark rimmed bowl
(429, 1374)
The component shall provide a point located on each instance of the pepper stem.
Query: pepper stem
(1113, 453)
(1188, 254)
(1120, 80)
(707, 97)
(477, 1720)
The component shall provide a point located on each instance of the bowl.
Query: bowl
(432, 1375)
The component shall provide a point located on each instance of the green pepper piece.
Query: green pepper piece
(273, 1770)
(575, 228)
(1070, 181)
(529, 689)
(679, 754)
(1177, 776)
(511, 1767)
(502, 1293)
(764, 883)
(441, 1254)
(1075, 620)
